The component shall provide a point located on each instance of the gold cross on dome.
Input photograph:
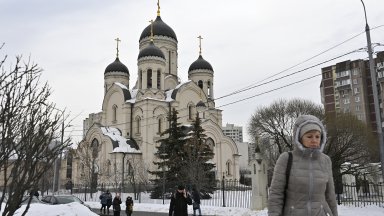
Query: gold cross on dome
(117, 46)
(158, 7)
(200, 38)
(151, 21)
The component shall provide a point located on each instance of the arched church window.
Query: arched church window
(95, 148)
(158, 79)
(160, 122)
(228, 167)
(149, 78)
(82, 169)
(140, 79)
(209, 88)
(138, 124)
(210, 143)
(190, 111)
(114, 113)
(108, 167)
(130, 170)
(200, 84)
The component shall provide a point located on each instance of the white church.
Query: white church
(132, 118)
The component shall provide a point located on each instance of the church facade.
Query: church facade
(123, 135)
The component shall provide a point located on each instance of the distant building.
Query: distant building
(346, 87)
(235, 132)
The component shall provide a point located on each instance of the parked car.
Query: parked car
(34, 199)
(62, 199)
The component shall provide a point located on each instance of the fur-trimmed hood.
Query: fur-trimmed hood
(303, 120)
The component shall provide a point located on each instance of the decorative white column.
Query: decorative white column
(259, 183)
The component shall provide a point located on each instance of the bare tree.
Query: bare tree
(272, 126)
(87, 153)
(136, 173)
(28, 124)
(349, 141)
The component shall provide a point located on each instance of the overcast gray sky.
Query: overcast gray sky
(246, 41)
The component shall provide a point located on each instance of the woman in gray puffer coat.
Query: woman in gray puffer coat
(311, 190)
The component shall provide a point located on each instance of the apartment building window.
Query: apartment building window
(360, 117)
(347, 101)
(356, 90)
(357, 99)
(342, 74)
(355, 71)
(380, 74)
(355, 82)
(343, 82)
(357, 108)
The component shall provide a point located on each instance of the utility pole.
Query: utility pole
(375, 92)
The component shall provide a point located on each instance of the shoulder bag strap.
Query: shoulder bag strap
(287, 174)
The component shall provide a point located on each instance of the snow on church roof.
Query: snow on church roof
(133, 95)
(122, 143)
(121, 85)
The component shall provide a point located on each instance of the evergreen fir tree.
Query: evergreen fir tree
(198, 166)
(170, 156)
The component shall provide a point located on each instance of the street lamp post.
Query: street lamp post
(56, 173)
(57, 164)
(375, 92)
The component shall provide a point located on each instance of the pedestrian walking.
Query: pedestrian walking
(109, 200)
(302, 182)
(179, 202)
(103, 201)
(116, 205)
(196, 201)
(129, 206)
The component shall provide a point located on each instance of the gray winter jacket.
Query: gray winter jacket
(311, 189)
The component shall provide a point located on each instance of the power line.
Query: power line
(288, 75)
(284, 86)
(302, 62)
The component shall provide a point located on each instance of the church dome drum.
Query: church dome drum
(151, 50)
(116, 66)
(201, 64)
(160, 28)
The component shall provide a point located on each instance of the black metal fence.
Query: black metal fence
(228, 193)
(362, 194)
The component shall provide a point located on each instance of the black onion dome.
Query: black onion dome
(151, 50)
(116, 66)
(159, 28)
(200, 63)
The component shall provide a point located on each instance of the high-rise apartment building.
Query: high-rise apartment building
(347, 88)
(235, 132)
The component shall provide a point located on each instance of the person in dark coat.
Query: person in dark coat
(116, 205)
(103, 200)
(196, 201)
(129, 206)
(179, 202)
(109, 200)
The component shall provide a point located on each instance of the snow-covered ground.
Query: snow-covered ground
(76, 209)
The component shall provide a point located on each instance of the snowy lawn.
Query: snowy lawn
(76, 209)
